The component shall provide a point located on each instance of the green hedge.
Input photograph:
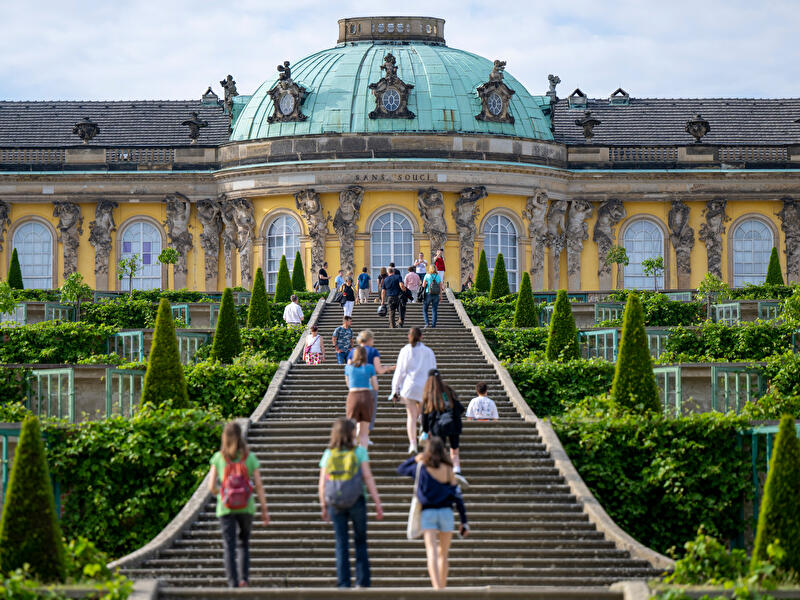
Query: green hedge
(489, 313)
(12, 385)
(660, 311)
(687, 471)
(515, 344)
(51, 342)
(125, 313)
(234, 390)
(756, 340)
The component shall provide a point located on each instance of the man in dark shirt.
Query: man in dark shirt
(324, 287)
(391, 292)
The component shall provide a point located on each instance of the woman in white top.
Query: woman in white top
(410, 376)
(314, 351)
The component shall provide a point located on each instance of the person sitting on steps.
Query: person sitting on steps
(482, 408)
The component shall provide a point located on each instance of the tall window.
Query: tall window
(391, 240)
(500, 237)
(643, 239)
(283, 238)
(143, 240)
(752, 244)
(34, 244)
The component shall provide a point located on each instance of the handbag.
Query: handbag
(382, 310)
(414, 527)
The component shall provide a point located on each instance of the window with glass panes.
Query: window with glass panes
(500, 236)
(642, 239)
(283, 239)
(752, 245)
(391, 240)
(34, 244)
(143, 240)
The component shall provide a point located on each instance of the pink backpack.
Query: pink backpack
(236, 486)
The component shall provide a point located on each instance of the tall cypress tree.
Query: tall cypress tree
(499, 279)
(15, 272)
(483, 281)
(562, 341)
(634, 382)
(283, 286)
(525, 310)
(258, 311)
(227, 339)
(29, 529)
(774, 275)
(298, 274)
(164, 379)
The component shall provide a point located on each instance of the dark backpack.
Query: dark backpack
(236, 486)
(344, 484)
(434, 287)
(447, 423)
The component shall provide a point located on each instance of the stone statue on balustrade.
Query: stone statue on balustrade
(345, 224)
(309, 204)
(70, 229)
(790, 224)
(577, 232)
(464, 215)
(430, 203)
(244, 217)
(5, 221)
(609, 214)
(230, 236)
(536, 214)
(711, 233)
(100, 237)
(208, 212)
(556, 238)
(179, 210)
(682, 238)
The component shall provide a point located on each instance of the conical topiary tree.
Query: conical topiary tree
(298, 274)
(525, 310)
(634, 382)
(258, 311)
(779, 518)
(774, 275)
(483, 281)
(164, 380)
(29, 529)
(283, 286)
(562, 341)
(15, 272)
(227, 340)
(499, 279)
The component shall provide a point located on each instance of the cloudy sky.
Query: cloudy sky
(173, 49)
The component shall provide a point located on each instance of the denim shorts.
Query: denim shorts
(440, 519)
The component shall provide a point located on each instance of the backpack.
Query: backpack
(446, 423)
(434, 287)
(344, 483)
(236, 486)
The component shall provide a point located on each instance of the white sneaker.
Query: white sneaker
(462, 480)
(370, 443)
(412, 449)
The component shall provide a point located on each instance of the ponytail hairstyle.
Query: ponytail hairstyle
(435, 454)
(233, 446)
(342, 434)
(359, 356)
(414, 336)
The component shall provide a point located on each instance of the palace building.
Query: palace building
(390, 143)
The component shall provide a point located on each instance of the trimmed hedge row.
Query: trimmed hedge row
(756, 340)
(52, 342)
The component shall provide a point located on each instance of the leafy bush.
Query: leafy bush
(298, 274)
(227, 341)
(283, 285)
(707, 561)
(483, 281)
(258, 310)
(550, 388)
(12, 385)
(562, 343)
(634, 382)
(36, 295)
(716, 341)
(275, 343)
(52, 342)
(499, 279)
(515, 344)
(29, 529)
(525, 312)
(688, 471)
(233, 390)
(762, 292)
(488, 313)
(164, 381)
(13, 412)
(779, 518)
(15, 272)
(774, 275)
(125, 313)
(660, 311)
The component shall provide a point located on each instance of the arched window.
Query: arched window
(643, 239)
(391, 240)
(34, 244)
(500, 236)
(143, 240)
(283, 238)
(752, 245)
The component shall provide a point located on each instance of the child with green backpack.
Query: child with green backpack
(344, 479)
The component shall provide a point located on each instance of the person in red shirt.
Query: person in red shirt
(439, 262)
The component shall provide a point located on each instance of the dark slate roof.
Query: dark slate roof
(126, 123)
(662, 121)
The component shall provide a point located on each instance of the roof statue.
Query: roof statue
(588, 122)
(391, 93)
(86, 129)
(287, 97)
(195, 124)
(495, 96)
(554, 81)
(697, 127)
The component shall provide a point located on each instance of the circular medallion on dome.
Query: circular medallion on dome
(391, 100)
(495, 104)
(286, 104)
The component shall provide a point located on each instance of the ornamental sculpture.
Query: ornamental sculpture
(391, 93)
(609, 214)
(100, 237)
(5, 221)
(577, 232)
(287, 97)
(430, 203)
(464, 215)
(86, 129)
(556, 238)
(588, 122)
(682, 238)
(70, 229)
(790, 224)
(711, 233)
(309, 204)
(230, 236)
(536, 213)
(229, 86)
(495, 97)
(697, 128)
(179, 210)
(195, 124)
(208, 213)
(243, 216)
(345, 224)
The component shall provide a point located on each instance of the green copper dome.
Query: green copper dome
(444, 97)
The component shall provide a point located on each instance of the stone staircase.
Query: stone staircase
(528, 530)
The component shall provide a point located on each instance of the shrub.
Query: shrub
(716, 341)
(499, 279)
(483, 282)
(12, 386)
(7, 300)
(779, 518)
(126, 312)
(283, 286)
(258, 311)
(562, 343)
(515, 344)
(52, 342)
(489, 313)
(227, 340)
(298, 274)
(29, 529)
(164, 382)
(774, 275)
(707, 561)
(634, 382)
(15, 272)
(660, 311)
(525, 312)
(275, 343)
